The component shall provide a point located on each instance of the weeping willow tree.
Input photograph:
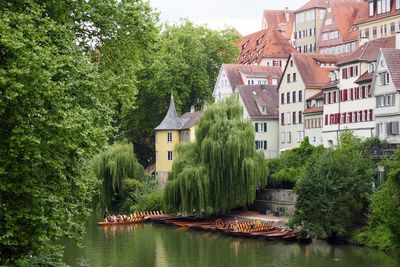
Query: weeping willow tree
(114, 166)
(221, 170)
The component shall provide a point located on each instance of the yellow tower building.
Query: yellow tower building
(171, 131)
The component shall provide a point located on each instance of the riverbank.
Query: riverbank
(278, 221)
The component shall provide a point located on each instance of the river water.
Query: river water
(157, 245)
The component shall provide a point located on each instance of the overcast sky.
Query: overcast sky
(244, 15)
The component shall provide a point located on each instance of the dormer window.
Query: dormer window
(264, 110)
(245, 45)
(371, 8)
(259, 40)
(328, 22)
(371, 68)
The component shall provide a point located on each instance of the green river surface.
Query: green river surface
(150, 244)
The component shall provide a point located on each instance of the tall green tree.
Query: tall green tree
(221, 170)
(184, 60)
(58, 103)
(333, 194)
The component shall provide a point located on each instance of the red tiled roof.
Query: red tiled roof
(267, 43)
(260, 95)
(319, 109)
(275, 18)
(313, 4)
(392, 58)
(369, 51)
(233, 72)
(365, 77)
(319, 95)
(309, 67)
(364, 18)
(343, 16)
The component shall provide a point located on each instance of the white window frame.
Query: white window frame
(169, 137)
(170, 155)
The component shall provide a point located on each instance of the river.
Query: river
(157, 245)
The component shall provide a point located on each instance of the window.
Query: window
(261, 145)
(288, 118)
(288, 98)
(169, 136)
(384, 78)
(261, 127)
(300, 96)
(397, 4)
(294, 117)
(282, 118)
(328, 22)
(289, 137)
(291, 61)
(282, 98)
(288, 78)
(170, 155)
(294, 97)
(300, 117)
(283, 137)
(371, 8)
(294, 77)
(300, 136)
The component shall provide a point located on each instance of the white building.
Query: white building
(303, 78)
(386, 90)
(313, 118)
(348, 100)
(232, 75)
(260, 105)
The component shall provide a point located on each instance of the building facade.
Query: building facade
(283, 20)
(303, 78)
(386, 90)
(313, 118)
(260, 106)
(308, 21)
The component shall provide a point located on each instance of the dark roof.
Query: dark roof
(172, 121)
(267, 43)
(233, 72)
(192, 118)
(310, 69)
(275, 18)
(365, 77)
(369, 51)
(392, 58)
(313, 4)
(319, 109)
(254, 96)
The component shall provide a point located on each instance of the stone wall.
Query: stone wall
(272, 199)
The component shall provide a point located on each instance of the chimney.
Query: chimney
(363, 41)
(192, 109)
(287, 14)
(397, 39)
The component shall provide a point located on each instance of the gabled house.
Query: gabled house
(304, 76)
(380, 19)
(267, 47)
(338, 34)
(232, 75)
(348, 100)
(308, 21)
(172, 130)
(283, 20)
(386, 90)
(260, 105)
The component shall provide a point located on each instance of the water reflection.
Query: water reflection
(165, 246)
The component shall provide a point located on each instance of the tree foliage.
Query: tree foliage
(119, 171)
(185, 60)
(334, 190)
(58, 103)
(221, 170)
(383, 230)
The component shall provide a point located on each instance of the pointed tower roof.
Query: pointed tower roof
(171, 120)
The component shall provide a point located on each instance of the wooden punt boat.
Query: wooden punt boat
(120, 223)
(278, 235)
(290, 237)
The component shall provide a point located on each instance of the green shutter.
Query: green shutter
(265, 127)
(265, 145)
(256, 127)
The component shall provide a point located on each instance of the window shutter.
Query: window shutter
(326, 119)
(377, 128)
(256, 127)
(378, 101)
(393, 99)
(265, 127)
(265, 145)
(256, 145)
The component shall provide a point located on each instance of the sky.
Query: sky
(244, 15)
